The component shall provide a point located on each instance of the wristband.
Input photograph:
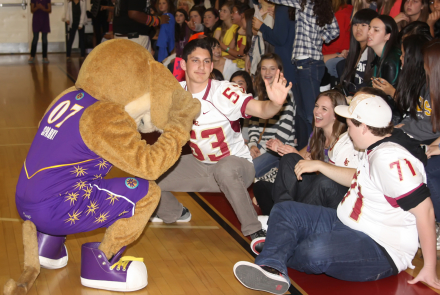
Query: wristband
(227, 49)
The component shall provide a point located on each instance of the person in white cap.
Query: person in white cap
(374, 231)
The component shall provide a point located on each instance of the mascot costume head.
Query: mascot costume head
(87, 129)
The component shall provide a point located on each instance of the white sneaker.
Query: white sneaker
(263, 219)
(185, 217)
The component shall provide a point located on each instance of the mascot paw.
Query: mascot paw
(11, 288)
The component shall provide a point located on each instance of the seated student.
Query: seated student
(382, 38)
(225, 32)
(186, 5)
(221, 63)
(359, 58)
(327, 144)
(211, 21)
(220, 162)
(195, 22)
(337, 49)
(432, 67)
(433, 19)
(412, 94)
(281, 126)
(244, 80)
(411, 11)
(416, 27)
(374, 232)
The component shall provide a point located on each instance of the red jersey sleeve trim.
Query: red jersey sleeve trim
(243, 107)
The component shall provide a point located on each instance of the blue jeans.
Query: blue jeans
(433, 175)
(331, 66)
(265, 162)
(309, 73)
(313, 240)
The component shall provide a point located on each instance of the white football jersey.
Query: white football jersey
(344, 154)
(388, 173)
(216, 130)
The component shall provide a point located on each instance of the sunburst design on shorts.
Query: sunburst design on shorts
(102, 217)
(74, 217)
(122, 213)
(80, 185)
(79, 171)
(92, 208)
(72, 197)
(97, 176)
(112, 198)
(87, 192)
(102, 164)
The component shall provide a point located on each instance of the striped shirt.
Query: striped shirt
(281, 126)
(309, 36)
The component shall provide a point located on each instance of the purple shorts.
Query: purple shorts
(84, 208)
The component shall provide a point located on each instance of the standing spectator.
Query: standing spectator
(134, 23)
(76, 18)
(315, 24)
(221, 63)
(165, 40)
(101, 15)
(40, 23)
(411, 11)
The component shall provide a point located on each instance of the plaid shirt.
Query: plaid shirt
(309, 36)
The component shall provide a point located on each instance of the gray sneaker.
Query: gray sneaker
(262, 278)
(185, 217)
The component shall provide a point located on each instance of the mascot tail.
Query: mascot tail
(31, 263)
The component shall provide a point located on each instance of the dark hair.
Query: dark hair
(259, 81)
(210, 32)
(417, 27)
(247, 78)
(412, 79)
(424, 14)
(216, 75)
(322, 9)
(375, 130)
(241, 7)
(180, 30)
(374, 91)
(193, 45)
(171, 7)
(337, 4)
(200, 10)
(248, 16)
(317, 141)
(390, 28)
(212, 41)
(363, 16)
(431, 55)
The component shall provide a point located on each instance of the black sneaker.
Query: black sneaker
(262, 278)
(258, 239)
(185, 217)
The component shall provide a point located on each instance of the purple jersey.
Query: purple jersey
(62, 177)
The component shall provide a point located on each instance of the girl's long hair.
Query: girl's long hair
(431, 56)
(171, 8)
(363, 16)
(259, 81)
(384, 6)
(180, 30)
(390, 28)
(247, 78)
(229, 5)
(248, 15)
(210, 32)
(317, 142)
(424, 14)
(412, 79)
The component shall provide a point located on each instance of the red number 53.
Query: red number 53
(220, 143)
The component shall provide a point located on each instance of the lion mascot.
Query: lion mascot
(121, 91)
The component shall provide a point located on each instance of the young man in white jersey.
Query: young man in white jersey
(221, 162)
(374, 232)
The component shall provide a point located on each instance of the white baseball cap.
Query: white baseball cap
(369, 109)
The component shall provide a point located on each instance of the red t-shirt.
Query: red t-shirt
(343, 16)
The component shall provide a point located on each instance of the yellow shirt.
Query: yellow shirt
(229, 35)
(241, 40)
